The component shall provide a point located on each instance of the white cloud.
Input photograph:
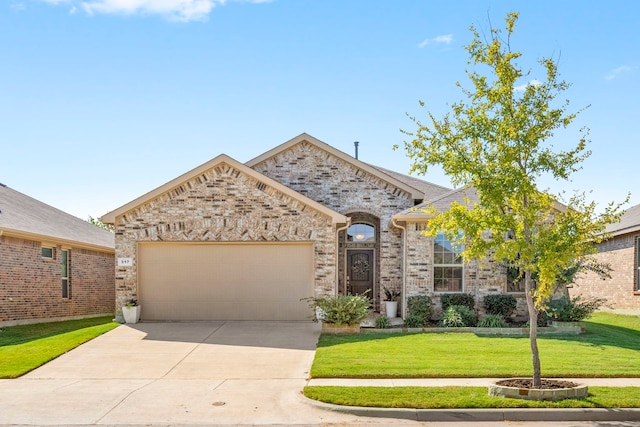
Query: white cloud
(174, 10)
(613, 74)
(17, 6)
(179, 10)
(446, 39)
(523, 87)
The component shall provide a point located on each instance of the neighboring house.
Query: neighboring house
(622, 252)
(228, 240)
(53, 266)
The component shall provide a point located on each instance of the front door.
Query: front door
(360, 272)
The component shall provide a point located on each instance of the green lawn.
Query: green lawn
(464, 397)
(609, 348)
(24, 348)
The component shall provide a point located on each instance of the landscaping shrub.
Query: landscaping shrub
(572, 310)
(457, 299)
(492, 321)
(413, 321)
(340, 309)
(502, 304)
(458, 316)
(382, 322)
(420, 308)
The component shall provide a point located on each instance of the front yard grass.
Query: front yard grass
(609, 348)
(464, 397)
(25, 347)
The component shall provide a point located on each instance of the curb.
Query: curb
(486, 415)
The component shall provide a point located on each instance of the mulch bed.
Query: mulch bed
(545, 384)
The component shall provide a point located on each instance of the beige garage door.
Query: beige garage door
(223, 281)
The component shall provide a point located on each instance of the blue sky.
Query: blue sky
(104, 100)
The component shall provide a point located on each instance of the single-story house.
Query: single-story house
(622, 253)
(53, 266)
(229, 240)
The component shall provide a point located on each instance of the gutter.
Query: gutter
(338, 230)
(404, 266)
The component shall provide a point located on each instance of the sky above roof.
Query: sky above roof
(104, 100)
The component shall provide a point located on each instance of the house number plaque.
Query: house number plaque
(125, 262)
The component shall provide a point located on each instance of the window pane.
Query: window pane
(65, 288)
(361, 233)
(47, 252)
(64, 263)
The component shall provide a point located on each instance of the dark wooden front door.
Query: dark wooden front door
(360, 272)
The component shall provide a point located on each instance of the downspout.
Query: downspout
(338, 230)
(404, 266)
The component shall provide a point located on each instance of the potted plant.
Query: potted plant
(131, 311)
(391, 303)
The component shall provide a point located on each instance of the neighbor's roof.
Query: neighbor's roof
(441, 203)
(629, 222)
(109, 218)
(26, 217)
(416, 193)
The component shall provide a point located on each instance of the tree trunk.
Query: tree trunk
(533, 330)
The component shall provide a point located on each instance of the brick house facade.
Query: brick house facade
(53, 266)
(358, 219)
(622, 253)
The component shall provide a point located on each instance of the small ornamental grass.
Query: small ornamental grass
(340, 309)
(492, 321)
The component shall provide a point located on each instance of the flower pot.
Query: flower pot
(391, 308)
(131, 314)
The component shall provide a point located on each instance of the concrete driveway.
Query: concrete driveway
(213, 373)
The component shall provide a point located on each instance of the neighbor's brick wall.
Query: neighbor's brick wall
(341, 186)
(620, 290)
(480, 279)
(31, 286)
(223, 204)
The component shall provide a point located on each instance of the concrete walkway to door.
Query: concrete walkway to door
(213, 373)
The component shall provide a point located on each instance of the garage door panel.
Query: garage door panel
(240, 281)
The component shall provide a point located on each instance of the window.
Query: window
(47, 252)
(64, 261)
(447, 265)
(361, 233)
(515, 280)
(637, 263)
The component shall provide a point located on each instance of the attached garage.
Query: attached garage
(225, 281)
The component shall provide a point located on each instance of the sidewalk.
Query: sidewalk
(477, 415)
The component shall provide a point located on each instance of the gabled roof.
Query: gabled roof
(110, 217)
(25, 217)
(441, 203)
(629, 222)
(416, 193)
(429, 189)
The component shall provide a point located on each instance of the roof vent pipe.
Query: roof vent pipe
(355, 143)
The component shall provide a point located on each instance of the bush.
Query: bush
(572, 310)
(420, 308)
(457, 299)
(458, 316)
(340, 309)
(502, 304)
(413, 321)
(492, 321)
(382, 322)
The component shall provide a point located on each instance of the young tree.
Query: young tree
(497, 142)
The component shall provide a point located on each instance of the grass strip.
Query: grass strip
(609, 348)
(26, 347)
(463, 397)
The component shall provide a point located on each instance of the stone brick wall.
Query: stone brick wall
(223, 204)
(621, 290)
(480, 279)
(31, 286)
(341, 186)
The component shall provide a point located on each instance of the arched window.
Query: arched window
(361, 233)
